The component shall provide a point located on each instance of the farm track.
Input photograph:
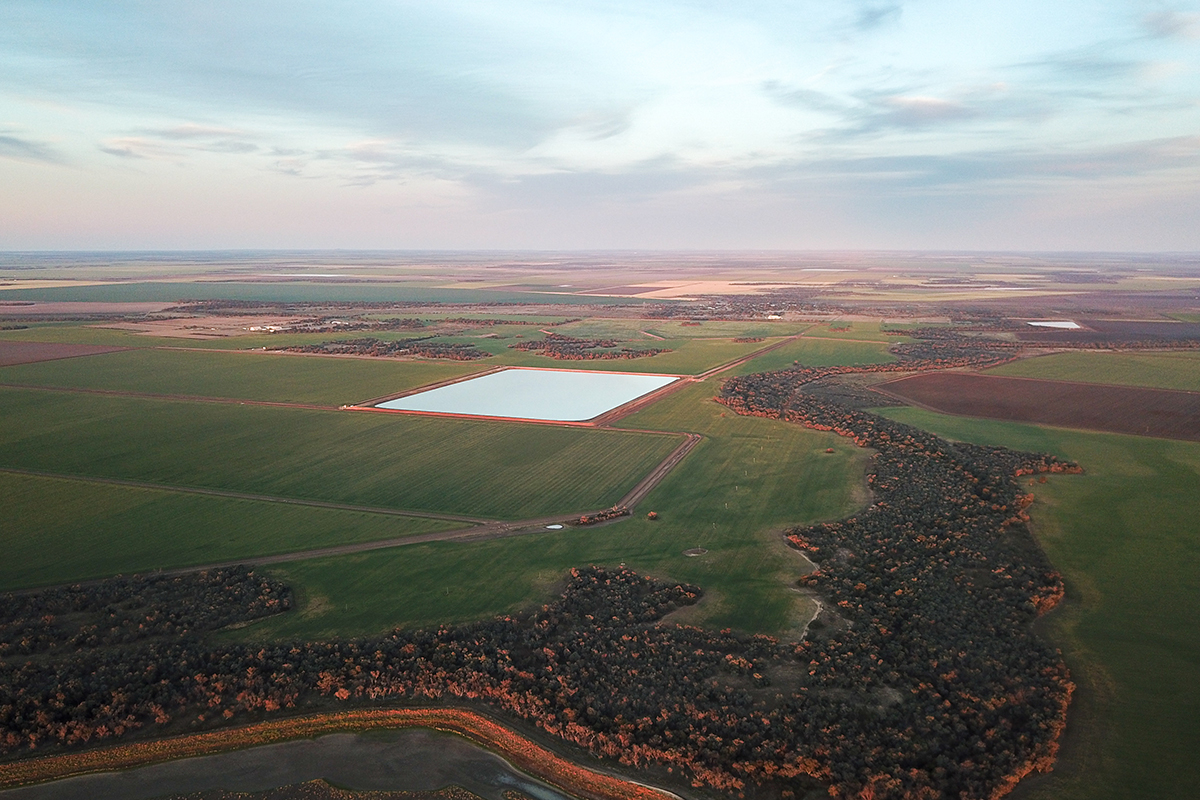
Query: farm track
(480, 529)
(656, 475)
(737, 362)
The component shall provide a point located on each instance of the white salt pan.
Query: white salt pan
(1065, 324)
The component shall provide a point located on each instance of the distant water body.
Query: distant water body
(408, 760)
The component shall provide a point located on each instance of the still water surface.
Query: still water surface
(545, 394)
(408, 760)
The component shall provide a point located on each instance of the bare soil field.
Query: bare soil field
(1162, 413)
(29, 352)
(1115, 332)
(30, 308)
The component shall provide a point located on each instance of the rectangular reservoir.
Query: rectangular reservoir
(553, 395)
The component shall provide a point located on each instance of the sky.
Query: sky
(838, 124)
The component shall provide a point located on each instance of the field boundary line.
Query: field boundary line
(480, 530)
(95, 350)
(423, 388)
(1024, 417)
(987, 375)
(737, 362)
(184, 398)
(261, 498)
(993, 376)
(664, 468)
(847, 339)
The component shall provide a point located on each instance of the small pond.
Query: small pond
(541, 394)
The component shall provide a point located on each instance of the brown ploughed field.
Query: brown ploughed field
(1163, 413)
(28, 352)
(1114, 332)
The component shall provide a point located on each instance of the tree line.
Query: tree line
(384, 348)
(568, 348)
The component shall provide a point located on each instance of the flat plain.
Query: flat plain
(1124, 533)
(57, 530)
(819, 352)
(486, 469)
(734, 494)
(15, 352)
(270, 377)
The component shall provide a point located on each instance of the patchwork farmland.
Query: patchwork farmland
(159, 452)
(1117, 409)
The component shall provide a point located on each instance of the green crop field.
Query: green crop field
(864, 330)
(1162, 370)
(819, 353)
(94, 333)
(249, 376)
(687, 357)
(57, 531)
(491, 469)
(674, 329)
(89, 334)
(733, 495)
(1126, 536)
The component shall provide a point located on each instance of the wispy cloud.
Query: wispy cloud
(602, 103)
(191, 131)
(916, 111)
(872, 113)
(986, 170)
(136, 147)
(20, 148)
(875, 15)
(1172, 25)
(177, 143)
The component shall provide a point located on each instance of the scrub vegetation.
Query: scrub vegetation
(1124, 536)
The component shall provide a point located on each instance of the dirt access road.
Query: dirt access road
(479, 529)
